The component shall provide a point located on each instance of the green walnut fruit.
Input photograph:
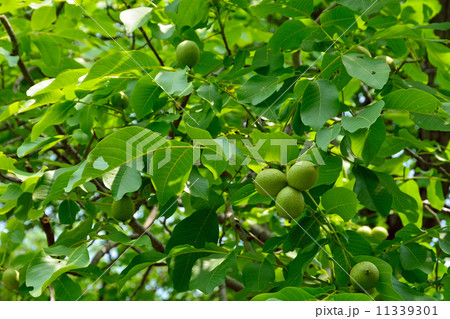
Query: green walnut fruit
(289, 203)
(270, 182)
(390, 61)
(380, 233)
(362, 50)
(120, 100)
(188, 53)
(364, 276)
(11, 279)
(366, 231)
(123, 209)
(81, 137)
(302, 175)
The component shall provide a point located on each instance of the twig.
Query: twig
(222, 30)
(161, 62)
(45, 222)
(15, 49)
(141, 284)
(104, 250)
(59, 9)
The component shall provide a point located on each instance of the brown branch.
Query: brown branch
(11, 178)
(222, 31)
(149, 43)
(103, 251)
(45, 222)
(140, 229)
(223, 292)
(59, 9)
(233, 284)
(15, 49)
(142, 283)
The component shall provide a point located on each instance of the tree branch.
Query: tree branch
(45, 222)
(222, 30)
(161, 62)
(15, 49)
(233, 284)
(140, 229)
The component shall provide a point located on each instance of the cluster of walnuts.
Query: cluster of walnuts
(286, 189)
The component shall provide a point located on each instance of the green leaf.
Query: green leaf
(66, 289)
(373, 72)
(43, 18)
(291, 33)
(138, 263)
(338, 20)
(72, 237)
(67, 211)
(320, 103)
(49, 49)
(24, 204)
(298, 266)
(144, 96)
(435, 194)
(329, 172)
(198, 229)
(444, 242)
(191, 13)
(413, 100)
(122, 180)
(257, 275)
(257, 89)
(43, 269)
(357, 244)
(287, 8)
(365, 143)
(135, 18)
(432, 122)
(341, 201)
(6, 163)
(402, 202)
(302, 234)
(408, 293)
(415, 256)
(211, 94)
(171, 169)
(286, 294)
(174, 83)
(126, 146)
(326, 135)
(56, 114)
(120, 62)
(363, 119)
(370, 191)
(210, 272)
(162, 31)
(356, 5)
(42, 143)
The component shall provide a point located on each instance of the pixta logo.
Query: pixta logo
(158, 151)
